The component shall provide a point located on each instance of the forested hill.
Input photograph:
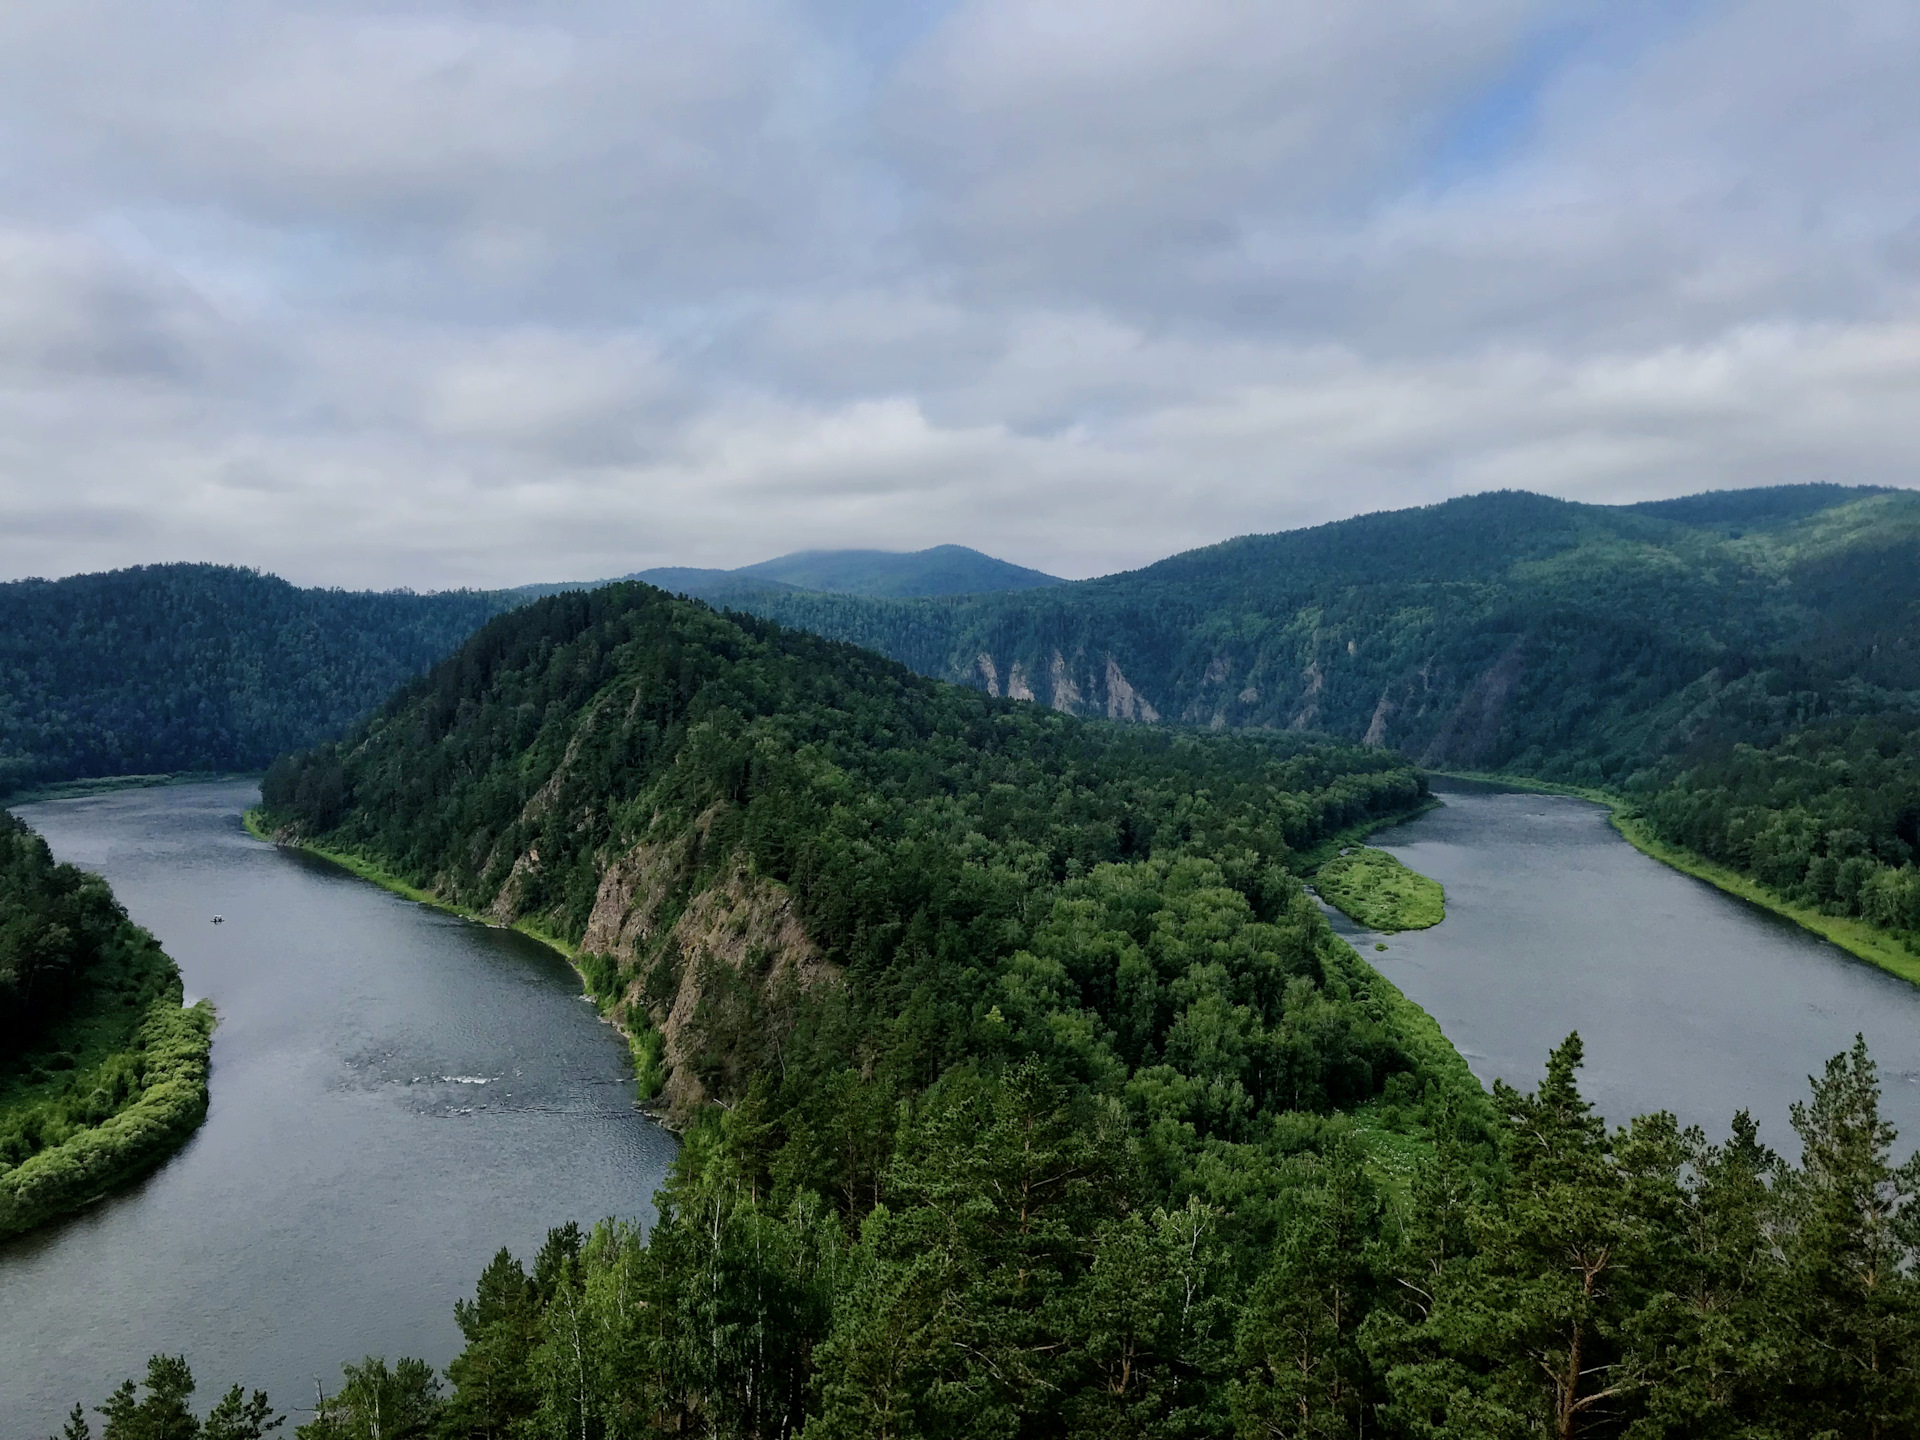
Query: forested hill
(1504, 631)
(1046, 1103)
(669, 788)
(201, 667)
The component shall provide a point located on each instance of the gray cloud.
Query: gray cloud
(432, 294)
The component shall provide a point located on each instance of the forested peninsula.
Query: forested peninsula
(1025, 1093)
(1622, 650)
(1737, 671)
(103, 1071)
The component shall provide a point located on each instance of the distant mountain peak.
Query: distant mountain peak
(876, 574)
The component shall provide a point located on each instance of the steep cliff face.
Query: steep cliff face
(1074, 685)
(720, 974)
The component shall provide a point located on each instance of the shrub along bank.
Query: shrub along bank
(153, 1095)
(102, 1072)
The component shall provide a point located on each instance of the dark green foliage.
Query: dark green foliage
(60, 932)
(988, 876)
(1581, 643)
(1016, 1279)
(1829, 817)
(1088, 1035)
(201, 667)
(164, 1411)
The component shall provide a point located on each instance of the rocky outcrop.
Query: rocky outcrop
(720, 974)
(1472, 730)
(984, 667)
(1123, 701)
(1017, 687)
(1309, 710)
(1066, 695)
(1376, 735)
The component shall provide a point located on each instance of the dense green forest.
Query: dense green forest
(102, 1071)
(1828, 817)
(1585, 643)
(1629, 648)
(1024, 1092)
(201, 667)
(1017, 1272)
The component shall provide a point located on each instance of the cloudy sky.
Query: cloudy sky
(438, 294)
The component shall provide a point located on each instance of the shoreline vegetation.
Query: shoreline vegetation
(645, 1047)
(1858, 938)
(1372, 888)
(103, 1069)
(172, 1050)
(1394, 1147)
(36, 794)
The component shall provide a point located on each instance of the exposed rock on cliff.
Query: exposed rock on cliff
(720, 976)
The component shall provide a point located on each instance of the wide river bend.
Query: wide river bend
(397, 1093)
(1686, 998)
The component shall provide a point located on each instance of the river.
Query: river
(1686, 998)
(396, 1094)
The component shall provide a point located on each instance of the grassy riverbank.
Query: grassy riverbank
(1372, 888)
(644, 1043)
(109, 1120)
(1856, 937)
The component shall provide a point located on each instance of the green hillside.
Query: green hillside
(878, 574)
(1026, 1094)
(1499, 632)
(201, 667)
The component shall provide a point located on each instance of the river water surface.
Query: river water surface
(1686, 998)
(396, 1094)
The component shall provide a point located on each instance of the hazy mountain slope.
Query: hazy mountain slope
(942, 570)
(201, 667)
(1498, 631)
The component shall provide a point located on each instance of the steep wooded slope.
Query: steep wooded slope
(201, 667)
(1501, 631)
(730, 819)
(1047, 1105)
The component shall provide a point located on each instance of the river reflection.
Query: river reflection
(396, 1094)
(1687, 998)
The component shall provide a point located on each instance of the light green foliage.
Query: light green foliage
(1375, 889)
(102, 1073)
(166, 1101)
(378, 1403)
